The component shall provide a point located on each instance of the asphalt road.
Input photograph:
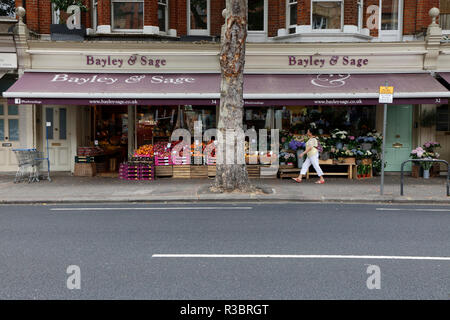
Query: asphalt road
(224, 251)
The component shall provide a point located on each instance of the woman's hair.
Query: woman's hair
(313, 131)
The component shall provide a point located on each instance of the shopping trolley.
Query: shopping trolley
(31, 163)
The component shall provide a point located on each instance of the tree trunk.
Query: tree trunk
(232, 174)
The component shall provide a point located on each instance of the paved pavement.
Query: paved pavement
(279, 251)
(66, 188)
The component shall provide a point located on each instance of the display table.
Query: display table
(323, 165)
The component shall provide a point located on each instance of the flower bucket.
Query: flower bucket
(366, 161)
(426, 173)
(339, 145)
(366, 146)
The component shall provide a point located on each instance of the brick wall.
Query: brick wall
(416, 19)
(304, 12)
(217, 20)
(351, 12)
(150, 12)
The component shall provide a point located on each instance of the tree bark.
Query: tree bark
(230, 174)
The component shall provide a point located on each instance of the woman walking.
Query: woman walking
(313, 158)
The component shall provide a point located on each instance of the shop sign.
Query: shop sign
(317, 61)
(386, 94)
(135, 60)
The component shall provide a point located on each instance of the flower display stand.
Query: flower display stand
(364, 176)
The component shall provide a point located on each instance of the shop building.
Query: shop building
(124, 87)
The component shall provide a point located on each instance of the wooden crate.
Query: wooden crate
(85, 169)
(253, 171)
(268, 172)
(181, 172)
(329, 161)
(163, 171)
(199, 171)
(211, 171)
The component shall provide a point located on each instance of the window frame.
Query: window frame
(327, 30)
(6, 117)
(166, 13)
(444, 31)
(199, 32)
(289, 26)
(127, 30)
(394, 34)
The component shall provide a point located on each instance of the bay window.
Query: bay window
(127, 15)
(291, 15)
(327, 14)
(198, 17)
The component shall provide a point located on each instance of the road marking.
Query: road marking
(406, 209)
(153, 208)
(298, 256)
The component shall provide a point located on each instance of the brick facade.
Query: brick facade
(415, 12)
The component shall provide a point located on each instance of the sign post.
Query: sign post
(386, 96)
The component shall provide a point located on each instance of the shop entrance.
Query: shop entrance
(55, 121)
(398, 137)
(9, 135)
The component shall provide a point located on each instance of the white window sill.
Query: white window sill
(306, 34)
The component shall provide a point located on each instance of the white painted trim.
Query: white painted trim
(150, 30)
(104, 29)
(198, 32)
(192, 95)
(391, 35)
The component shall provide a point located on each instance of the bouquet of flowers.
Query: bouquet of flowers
(339, 134)
(420, 153)
(362, 154)
(296, 144)
(430, 146)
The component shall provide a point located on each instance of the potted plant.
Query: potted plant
(60, 31)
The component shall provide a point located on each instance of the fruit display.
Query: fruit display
(144, 151)
(162, 149)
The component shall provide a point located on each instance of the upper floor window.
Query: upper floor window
(444, 17)
(327, 14)
(256, 16)
(389, 14)
(291, 15)
(198, 17)
(163, 14)
(127, 15)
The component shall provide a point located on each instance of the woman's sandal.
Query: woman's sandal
(297, 180)
(320, 182)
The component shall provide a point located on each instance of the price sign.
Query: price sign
(386, 94)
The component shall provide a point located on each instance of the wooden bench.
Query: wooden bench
(323, 164)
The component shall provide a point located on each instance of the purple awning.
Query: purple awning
(259, 89)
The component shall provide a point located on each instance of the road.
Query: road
(225, 251)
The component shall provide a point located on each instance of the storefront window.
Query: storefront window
(256, 15)
(326, 14)
(162, 15)
(128, 15)
(444, 17)
(291, 15)
(443, 118)
(389, 14)
(356, 119)
(198, 14)
(155, 123)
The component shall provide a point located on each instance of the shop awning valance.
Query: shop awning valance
(204, 89)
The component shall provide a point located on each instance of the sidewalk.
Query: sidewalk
(67, 189)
